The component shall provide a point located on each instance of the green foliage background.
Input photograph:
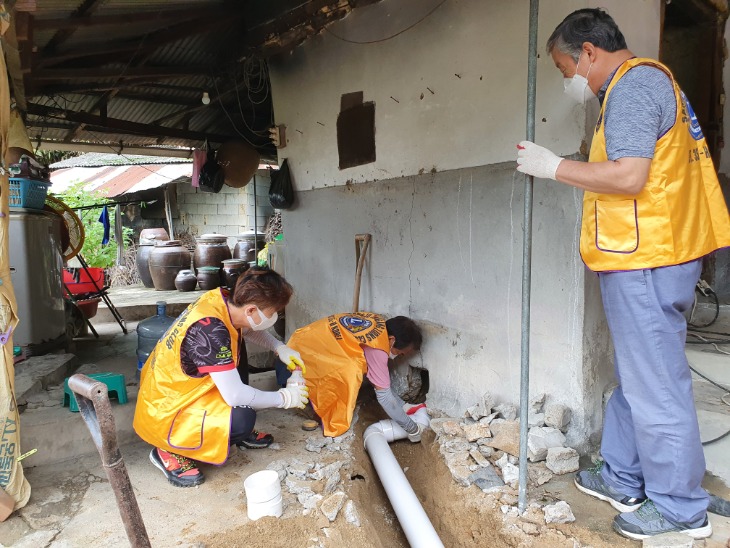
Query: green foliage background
(95, 254)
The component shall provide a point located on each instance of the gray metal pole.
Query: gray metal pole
(527, 260)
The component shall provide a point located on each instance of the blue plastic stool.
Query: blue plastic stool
(113, 381)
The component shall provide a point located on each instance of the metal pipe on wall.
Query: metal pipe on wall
(527, 260)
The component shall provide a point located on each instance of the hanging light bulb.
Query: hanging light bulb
(206, 98)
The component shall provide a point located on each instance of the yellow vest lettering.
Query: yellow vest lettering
(332, 351)
(182, 414)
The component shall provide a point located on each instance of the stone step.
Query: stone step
(38, 373)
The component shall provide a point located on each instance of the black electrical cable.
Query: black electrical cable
(721, 387)
(707, 291)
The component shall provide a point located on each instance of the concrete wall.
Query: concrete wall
(442, 200)
(229, 212)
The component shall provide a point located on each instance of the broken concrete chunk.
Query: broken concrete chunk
(507, 410)
(297, 487)
(451, 428)
(299, 469)
(489, 418)
(476, 412)
(559, 512)
(510, 473)
(457, 464)
(477, 430)
(502, 461)
(309, 500)
(506, 437)
(538, 473)
(486, 479)
(487, 402)
(479, 458)
(327, 471)
(486, 450)
(561, 460)
(669, 540)
(557, 416)
(536, 419)
(315, 445)
(539, 440)
(332, 505)
(351, 514)
(537, 403)
(280, 467)
(454, 445)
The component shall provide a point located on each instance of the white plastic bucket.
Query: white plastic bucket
(263, 494)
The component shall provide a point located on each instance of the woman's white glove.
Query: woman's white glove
(415, 438)
(537, 161)
(290, 357)
(294, 396)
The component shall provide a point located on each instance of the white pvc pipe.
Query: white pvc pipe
(413, 519)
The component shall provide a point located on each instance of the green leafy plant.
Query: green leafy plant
(95, 254)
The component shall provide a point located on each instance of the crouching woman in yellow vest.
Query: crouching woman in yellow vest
(342, 349)
(192, 402)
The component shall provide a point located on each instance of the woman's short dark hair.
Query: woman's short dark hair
(405, 331)
(263, 287)
(586, 25)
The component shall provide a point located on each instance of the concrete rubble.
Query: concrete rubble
(482, 449)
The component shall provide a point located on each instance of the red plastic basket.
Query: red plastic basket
(27, 193)
(84, 283)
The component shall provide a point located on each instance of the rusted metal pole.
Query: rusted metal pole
(93, 400)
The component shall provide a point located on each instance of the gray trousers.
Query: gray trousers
(651, 439)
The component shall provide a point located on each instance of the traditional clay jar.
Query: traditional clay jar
(186, 280)
(209, 277)
(166, 260)
(232, 269)
(245, 246)
(211, 250)
(153, 234)
(143, 263)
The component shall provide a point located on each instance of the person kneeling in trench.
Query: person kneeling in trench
(340, 350)
(192, 402)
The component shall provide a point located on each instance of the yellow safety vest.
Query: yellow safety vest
(680, 214)
(332, 351)
(182, 414)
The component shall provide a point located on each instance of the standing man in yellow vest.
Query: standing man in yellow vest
(340, 351)
(192, 402)
(652, 209)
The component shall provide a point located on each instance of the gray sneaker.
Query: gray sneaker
(647, 522)
(591, 483)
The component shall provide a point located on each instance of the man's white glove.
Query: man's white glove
(290, 357)
(294, 396)
(415, 438)
(537, 161)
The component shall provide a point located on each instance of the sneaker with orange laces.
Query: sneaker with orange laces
(179, 470)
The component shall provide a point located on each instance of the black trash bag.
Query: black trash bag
(211, 174)
(281, 192)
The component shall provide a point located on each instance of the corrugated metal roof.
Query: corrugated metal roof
(119, 180)
(107, 83)
(98, 159)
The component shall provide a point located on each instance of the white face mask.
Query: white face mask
(577, 87)
(392, 356)
(265, 322)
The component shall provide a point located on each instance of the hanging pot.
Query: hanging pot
(166, 260)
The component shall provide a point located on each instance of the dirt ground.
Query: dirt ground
(72, 503)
